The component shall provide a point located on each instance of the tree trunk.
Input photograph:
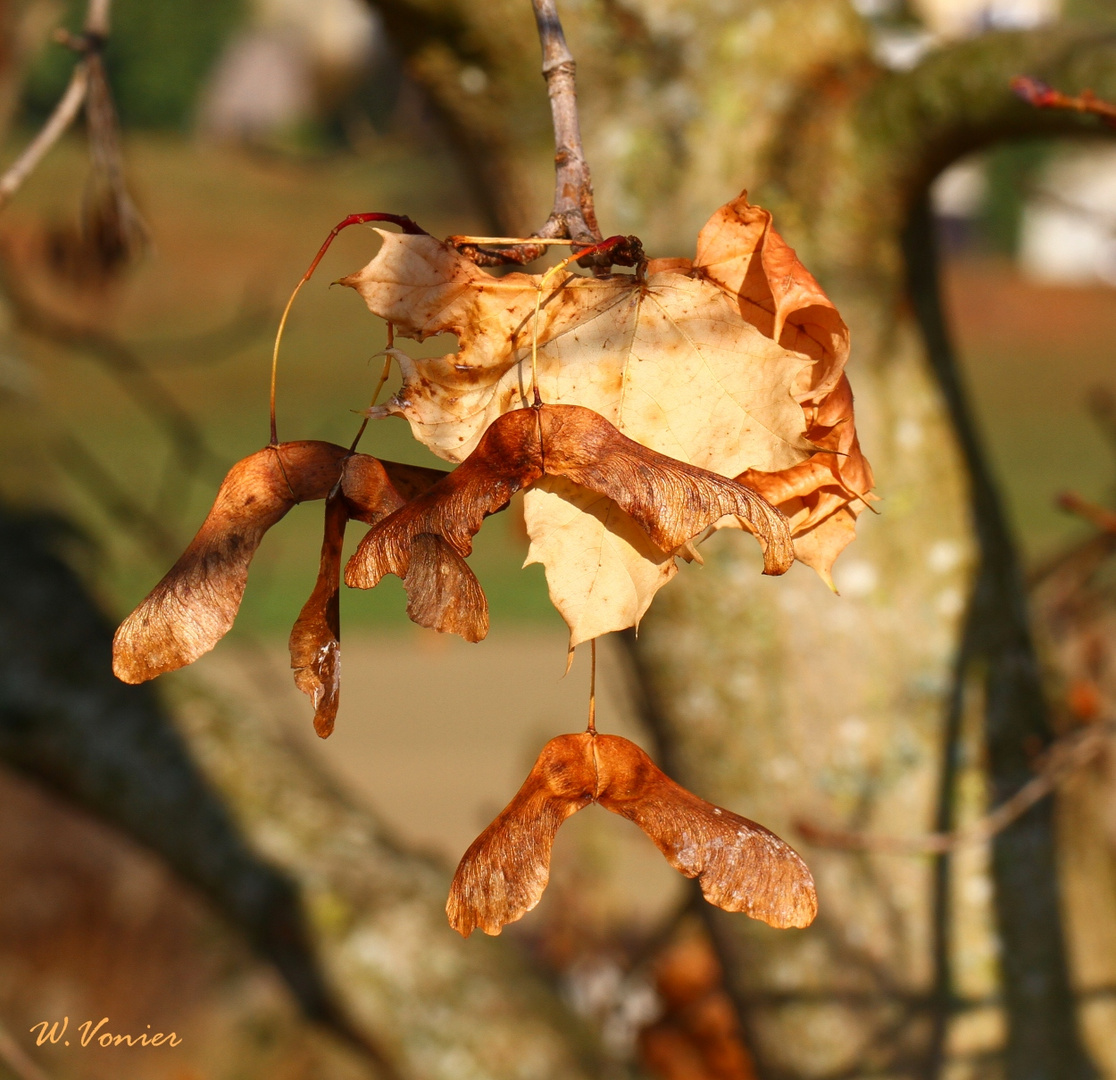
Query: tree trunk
(775, 697)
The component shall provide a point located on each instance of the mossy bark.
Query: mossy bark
(776, 697)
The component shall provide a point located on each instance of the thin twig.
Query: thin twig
(96, 29)
(572, 216)
(1037, 93)
(1065, 756)
(65, 112)
(97, 18)
(1102, 518)
(385, 374)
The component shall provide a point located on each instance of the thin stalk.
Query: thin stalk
(573, 214)
(591, 727)
(405, 223)
(65, 112)
(379, 386)
(96, 28)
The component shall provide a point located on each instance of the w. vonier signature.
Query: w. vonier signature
(92, 1035)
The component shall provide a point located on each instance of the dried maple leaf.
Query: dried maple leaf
(720, 362)
(740, 865)
(740, 250)
(367, 490)
(670, 501)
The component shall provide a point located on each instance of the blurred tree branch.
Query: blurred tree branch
(88, 47)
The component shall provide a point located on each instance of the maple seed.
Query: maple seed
(442, 591)
(315, 641)
(670, 500)
(367, 491)
(195, 604)
(740, 865)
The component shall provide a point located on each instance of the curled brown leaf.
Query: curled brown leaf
(671, 501)
(741, 866)
(740, 250)
(822, 495)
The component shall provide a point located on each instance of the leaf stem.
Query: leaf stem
(405, 223)
(509, 241)
(379, 386)
(592, 725)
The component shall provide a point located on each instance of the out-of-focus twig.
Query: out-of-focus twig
(1102, 407)
(89, 47)
(113, 230)
(1065, 756)
(80, 463)
(1036, 92)
(65, 112)
(1103, 519)
(97, 17)
(120, 361)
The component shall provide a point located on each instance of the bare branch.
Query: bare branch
(573, 216)
(1103, 519)
(1065, 756)
(65, 112)
(89, 46)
